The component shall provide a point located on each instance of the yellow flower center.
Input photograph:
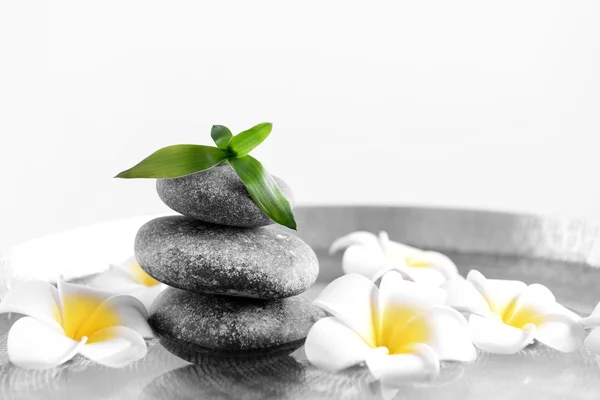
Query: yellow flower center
(412, 262)
(518, 317)
(85, 315)
(141, 276)
(399, 329)
(416, 262)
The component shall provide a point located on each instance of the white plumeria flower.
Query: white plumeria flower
(401, 330)
(592, 341)
(372, 256)
(508, 315)
(74, 319)
(129, 278)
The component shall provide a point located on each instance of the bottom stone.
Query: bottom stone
(198, 326)
(205, 356)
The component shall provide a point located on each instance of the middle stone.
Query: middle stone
(260, 263)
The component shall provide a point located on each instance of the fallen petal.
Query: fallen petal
(36, 299)
(333, 346)
(421, 364)
(492, 335)
(115, 347)
(350, 298)
(34, 345)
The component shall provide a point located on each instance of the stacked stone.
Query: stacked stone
(234, 281)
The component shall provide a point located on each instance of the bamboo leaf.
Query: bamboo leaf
(221, 135)
(243, 143)
(264, 190)
(175, 161)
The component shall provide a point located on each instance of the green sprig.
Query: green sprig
(185, 159)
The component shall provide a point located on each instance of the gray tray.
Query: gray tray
(563, 254)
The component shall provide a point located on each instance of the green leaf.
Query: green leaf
(221, 135)
(264, 190)
(175, 161)
(243, 143)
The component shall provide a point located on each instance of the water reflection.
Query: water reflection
(537, 372)
(279, 378)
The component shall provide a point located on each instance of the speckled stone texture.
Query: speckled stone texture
(206, 258)
(216, 195)
(230, 326)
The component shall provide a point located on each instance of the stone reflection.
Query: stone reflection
(275, 378)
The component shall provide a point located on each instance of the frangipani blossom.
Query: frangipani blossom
(129, 278)
(401, 330)
(372, 256)
(74, 319)
(508, 315)
(592, 341)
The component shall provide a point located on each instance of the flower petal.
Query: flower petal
(115, 347)
(361, 238)
(385, 392)
(114, 279)
(333, 346)
(119, 310)
(420, 364)
(492, 335)
(443, 329)
(36, 299)
(594, 318)
(537, 305)
(425, 276)
(535, 300)
(498, 293)
(438, 261)
(350, 298)
(367, 261)
(133, 269)
(77, 303)
(464, 297)
(33, 344)
(399, 301)
(592, 341)
(147, 295)
(396, 249)
(559, 332)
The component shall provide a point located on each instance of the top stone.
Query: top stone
(216, 195)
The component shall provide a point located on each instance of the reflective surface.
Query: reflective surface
(497, 248)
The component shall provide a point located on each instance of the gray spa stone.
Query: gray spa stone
(216, 195)
(193, 255)
(194, 324)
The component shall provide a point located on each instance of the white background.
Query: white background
(484, 104)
